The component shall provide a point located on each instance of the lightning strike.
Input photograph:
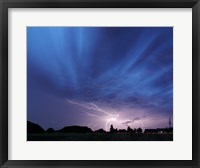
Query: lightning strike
(108, 117)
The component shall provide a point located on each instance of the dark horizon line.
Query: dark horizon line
(83, 126)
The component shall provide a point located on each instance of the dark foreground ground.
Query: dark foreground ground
(99, 137)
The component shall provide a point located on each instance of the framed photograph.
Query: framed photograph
(99, 83)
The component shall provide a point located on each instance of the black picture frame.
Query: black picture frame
(6, 4)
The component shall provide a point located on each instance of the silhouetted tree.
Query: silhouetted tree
(34, 128)
(50, 130)
(75, 129)
(111, 128)
(129, 129)
(100, 131)
(139, 130)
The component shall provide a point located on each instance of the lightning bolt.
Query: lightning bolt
(91, 106)
(91, 115)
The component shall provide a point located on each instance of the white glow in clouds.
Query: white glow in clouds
(107, 117)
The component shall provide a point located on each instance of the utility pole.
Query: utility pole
(170, 123)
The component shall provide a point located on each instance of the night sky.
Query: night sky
(98, 76)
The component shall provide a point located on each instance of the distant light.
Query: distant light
(112, 119)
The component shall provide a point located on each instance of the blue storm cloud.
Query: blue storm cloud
(130, 67)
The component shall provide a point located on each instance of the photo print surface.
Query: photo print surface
(100, 83)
